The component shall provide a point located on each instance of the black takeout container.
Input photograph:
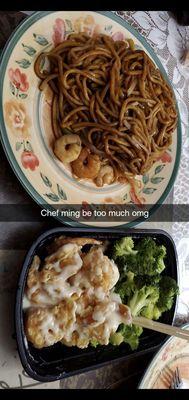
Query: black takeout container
(58, 361)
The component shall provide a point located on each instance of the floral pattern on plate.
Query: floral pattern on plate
(174, 353)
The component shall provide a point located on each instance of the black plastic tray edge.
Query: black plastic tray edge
(19, 294)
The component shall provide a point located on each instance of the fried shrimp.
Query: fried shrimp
(49, 285)
(87, 165)
(98, 272)
(46, 326)
(67, 148)
(71, 295)
(98, 321)
(105, 176)
(62, 240)
(65, 249)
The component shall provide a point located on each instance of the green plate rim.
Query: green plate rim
(13, 39)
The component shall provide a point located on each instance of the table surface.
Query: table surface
(169, 42)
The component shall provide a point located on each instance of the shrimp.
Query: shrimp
(61, 250)
(97, 322)
(67, 148)
(87, 165)
(98, 272)
(46, 326)
(49, 285)
(105, 175)
(32, 279)
(62, 240)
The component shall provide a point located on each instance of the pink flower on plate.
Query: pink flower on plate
(18, 79)
(167, 350)
(165, 355)
(29, 160)
(17, 119)
(86, 24)
(134, 195)
(135, 198)
(165, 158)
(59, 31)
(118, 36)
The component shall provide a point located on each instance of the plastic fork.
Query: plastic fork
(176, 382)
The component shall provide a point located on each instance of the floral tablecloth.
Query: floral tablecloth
(169, 41)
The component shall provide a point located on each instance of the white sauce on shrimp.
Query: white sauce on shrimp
(88, 281)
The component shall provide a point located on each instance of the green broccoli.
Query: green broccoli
(142, 298)
(168, 290)
(141, 285)
(156, 313)
(116, 338)
(151, 256)
(139, 294)
(149, 259)
(125, 286)
(151, 311)
(94, 342)
(146, 280)
(123, 247)
(130, 334)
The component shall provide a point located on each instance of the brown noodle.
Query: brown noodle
(113, 97)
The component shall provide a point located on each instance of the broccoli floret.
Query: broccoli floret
(116, 338)
(146, 280)
(168, 290)
(123, 247)
(126, 286)
(139, 294)
(142, 298)
(151, 310)
(156, 312)
(130, 334)
(153, 254)
(94, 342)
(149, 259)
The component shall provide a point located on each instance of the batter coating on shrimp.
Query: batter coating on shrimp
(97, 320)
(50, 285)
(61, 240)
(46, 326)
(75, 323)
(72, 298)
(98, 271)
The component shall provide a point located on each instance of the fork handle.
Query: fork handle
(160, 327)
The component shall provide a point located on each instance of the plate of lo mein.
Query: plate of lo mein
(88, 115)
